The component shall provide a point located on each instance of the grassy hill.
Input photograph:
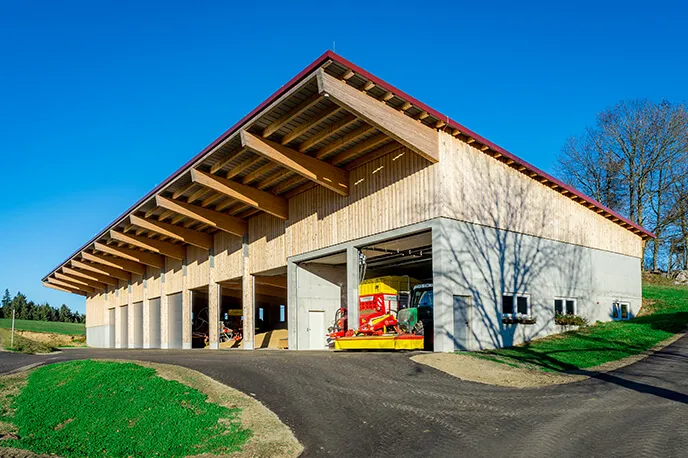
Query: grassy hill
(44, 326)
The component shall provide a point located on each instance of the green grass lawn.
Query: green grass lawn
(667, 306)
(44, 326)
(96, 408)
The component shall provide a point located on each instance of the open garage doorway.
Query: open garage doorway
(200, 317)
(271, 310)
(397, 274)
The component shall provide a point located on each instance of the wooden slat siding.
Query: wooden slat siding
(197, 267)
(227, 257)
(173, 276)
(266, 242)
(136, 288)
(95, 310)
(480, 189)
(152, 282)
(121, 294)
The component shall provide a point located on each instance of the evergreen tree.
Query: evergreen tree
(20, 306)
(65, 314)
(6, 308)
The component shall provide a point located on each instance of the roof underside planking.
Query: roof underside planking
(329, 119)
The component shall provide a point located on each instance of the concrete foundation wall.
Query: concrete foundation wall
(475, 265)
(174, 321)
(319, 288)
(99, 336)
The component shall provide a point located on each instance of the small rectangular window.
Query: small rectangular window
(565, 306)
(513, 304)
(507, 305)
(282, 314)
(570, 307)
(621, 311)
(260, 313)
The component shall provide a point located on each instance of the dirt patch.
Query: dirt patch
(54, 339)
(271, 437)
(480, 370)
(474, 369)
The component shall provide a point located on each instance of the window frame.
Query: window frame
(515, 297)
(564, 299)
(616, 306)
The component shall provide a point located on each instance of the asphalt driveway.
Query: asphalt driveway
(384, 404)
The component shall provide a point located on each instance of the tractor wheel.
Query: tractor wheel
(418, 329)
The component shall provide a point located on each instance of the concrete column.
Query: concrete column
(146, 313)
(118, 327)
(164, 314)
(214, 297)
(186, 310)
(352, 280)
(248, 300)
(443, 293)
(130, 318)
(292, 305)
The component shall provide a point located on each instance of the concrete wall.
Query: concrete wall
(479, 263)
(98, 336)
(174, 321)
(318, 288)
(152, 336)
(122, 326)
(136, 328)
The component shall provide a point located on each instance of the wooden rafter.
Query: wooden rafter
(286, 184)
(373, 155)
(197, 194)
(65, 289)
(256, 198)
(103, 270)
(327, 132)
(291, 114)
(156, 246)
(220, 164)
(68, 285)
(195, 238)
(108, 280)
(80, 281)
(243, 166)
(273, 178)
(355, 150)
(320, 172)
(413, 135)
(343, 141)
(141, 257)
(306, 126)
(262, 170)
(179, 192)
(212, 218)
(109, 261)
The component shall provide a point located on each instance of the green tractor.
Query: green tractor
(417, 317)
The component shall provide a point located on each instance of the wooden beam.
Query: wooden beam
(64, 289)
(296, 179)
(405, 106)
(262, 200)
(141, 257)
(320, 172)
(108, 261)
(114, 272)
(81, 281)
(197, 195)
(179, 192)
(243, 166)
(273, 178)
(376, 154)
(106, 279)
(327, 132)
(156, 246)
(291, 114)
(72, 286)
(221, 163)
(348, 75)
(221, 221)
(417, 137)
(195, 238)
(299, 189)
(262, 170)
(343, 141)
(306, 126)
(277, 281)
(355, 150)
(367, 86)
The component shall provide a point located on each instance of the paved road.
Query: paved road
(382, 404)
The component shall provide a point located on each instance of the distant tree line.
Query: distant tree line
(634, 160)
(28, 310)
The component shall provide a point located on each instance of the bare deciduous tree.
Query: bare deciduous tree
(631, 161)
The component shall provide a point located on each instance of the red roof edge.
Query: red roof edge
(330, 55)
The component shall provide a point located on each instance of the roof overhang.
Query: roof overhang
(310, 132)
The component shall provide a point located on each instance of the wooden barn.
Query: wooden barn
(337, 178)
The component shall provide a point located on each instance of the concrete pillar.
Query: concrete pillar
(292, 305)
(186, 310)
(146, 313)
(443, 293)
(118, 327)
(164, 321)
(248, 300)
(214, 297)
(352, 281)
(130, 318)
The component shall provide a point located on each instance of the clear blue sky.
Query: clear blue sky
(100, 101)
